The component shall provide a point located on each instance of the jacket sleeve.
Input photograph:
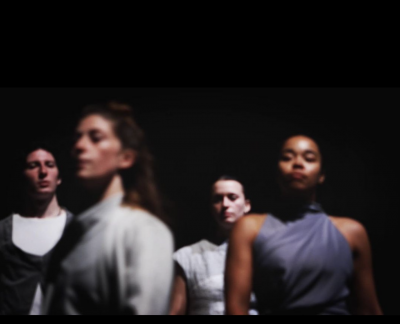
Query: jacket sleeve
(145, 269)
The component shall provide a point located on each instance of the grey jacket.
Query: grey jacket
(112, 260)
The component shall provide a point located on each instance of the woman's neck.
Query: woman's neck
(100, 190)
(288, 206)
(41, 208)
(115, 187)
(299, 198)
(219, 235)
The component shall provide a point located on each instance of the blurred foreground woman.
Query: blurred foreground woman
(116, 257)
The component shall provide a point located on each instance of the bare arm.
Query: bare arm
(365, 301)
(239, 269)
(363, 295)
(179, 294)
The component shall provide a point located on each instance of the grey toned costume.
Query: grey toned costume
(302, 266)
(20, 272)
(112, 260)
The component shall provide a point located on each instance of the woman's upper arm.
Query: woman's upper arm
(179, 292)
(238, 273)
(364, 298)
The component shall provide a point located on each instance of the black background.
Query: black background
(196, 134)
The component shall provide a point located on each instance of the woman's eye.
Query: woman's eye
(285, 158)
(31, 165)
(310, 158)
(96, 138)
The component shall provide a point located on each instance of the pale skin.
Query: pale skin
(41, 181)
(100, 156)
(228, 205)
(299, 174)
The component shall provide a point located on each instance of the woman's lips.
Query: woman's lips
(81, 163)
(297, 175)
(43, 184)
(226, 215)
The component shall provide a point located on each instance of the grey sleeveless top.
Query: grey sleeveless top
(301, 266)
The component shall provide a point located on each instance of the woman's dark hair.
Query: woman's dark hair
(138, 181)
(29, 147)
(17, 181)
(230, 177)
(323, 146)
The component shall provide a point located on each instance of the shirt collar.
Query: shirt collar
(97, 212)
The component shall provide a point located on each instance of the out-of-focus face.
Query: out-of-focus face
(228, 202)
(299, 165)
(98, 151)
(41, 173)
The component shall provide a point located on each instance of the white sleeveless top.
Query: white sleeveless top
(204, 267)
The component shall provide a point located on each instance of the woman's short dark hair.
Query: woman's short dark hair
(17, 180)
(319, 141)
(29, 147)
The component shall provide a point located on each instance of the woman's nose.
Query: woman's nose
(225, 201)
(43, 171)
(80, 145)
(298, 162)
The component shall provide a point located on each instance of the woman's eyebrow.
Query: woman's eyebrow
(310, 152)
(95, 130)
(288, 150)
(32, 162)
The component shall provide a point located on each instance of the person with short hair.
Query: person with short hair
(298, 260)
(29, 235)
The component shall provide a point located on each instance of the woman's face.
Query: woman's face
(97, 150)
(41, 173)
(299, 167)
(228, 202)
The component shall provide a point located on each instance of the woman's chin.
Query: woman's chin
(226, 224)
(92, 180)
(89, 180)
(297, 189)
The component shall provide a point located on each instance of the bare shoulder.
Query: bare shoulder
(348, 225)
(249, 225)
(253, 221)
(352, 230)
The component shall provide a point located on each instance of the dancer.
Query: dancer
(298, 259)
(28, 236)
(116, 257)
(199, 280)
